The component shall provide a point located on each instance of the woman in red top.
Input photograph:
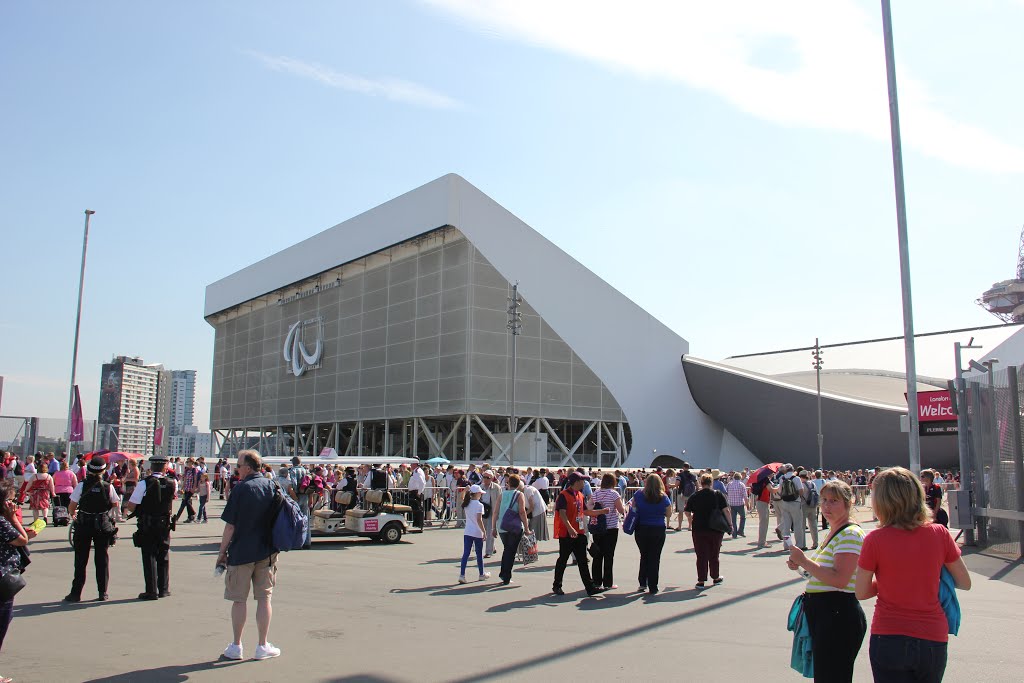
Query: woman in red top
(901, 562)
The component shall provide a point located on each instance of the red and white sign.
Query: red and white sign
(934, 406)
(370, 525)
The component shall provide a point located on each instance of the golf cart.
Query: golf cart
(376, 516)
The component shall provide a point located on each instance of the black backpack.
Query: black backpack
(19, 469)
(787, 489)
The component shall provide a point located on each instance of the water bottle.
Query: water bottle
(219, 570)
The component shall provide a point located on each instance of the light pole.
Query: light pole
(78, 322)
(816, 364)
(515, 326)
(963, 439)
(901, 231)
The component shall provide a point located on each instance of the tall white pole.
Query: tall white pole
(901, 228)
(816, 354)
(78, 323)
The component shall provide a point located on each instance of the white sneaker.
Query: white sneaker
(462, 579)
(233, 651)
(485, 576)
(266, 651)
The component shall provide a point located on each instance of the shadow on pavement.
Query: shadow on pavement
(994, 566)
(37, 608)
(539, 659)
(166, 674)
(360, 678)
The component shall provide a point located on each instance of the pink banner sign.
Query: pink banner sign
(934, 406)
(77, 423)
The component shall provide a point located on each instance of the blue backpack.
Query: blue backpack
(288, 525)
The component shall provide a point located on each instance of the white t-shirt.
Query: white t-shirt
(541, 484)
(534, 503)
(474, 508)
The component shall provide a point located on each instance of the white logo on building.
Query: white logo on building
(295, 352)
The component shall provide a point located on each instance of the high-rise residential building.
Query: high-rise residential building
(181, 440)
(164, 408)
(203, 445)
(128, 410)
(183, 398)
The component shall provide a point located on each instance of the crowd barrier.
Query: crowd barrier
(443, 506)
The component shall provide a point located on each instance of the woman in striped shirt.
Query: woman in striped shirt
(834, 616)
(603, 548)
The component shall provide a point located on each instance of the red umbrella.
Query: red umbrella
(97, 454)
(764, 472)
(118, 457)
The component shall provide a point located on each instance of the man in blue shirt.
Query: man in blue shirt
(246, 553)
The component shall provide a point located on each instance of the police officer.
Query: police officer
(94, 500)
(152, 501)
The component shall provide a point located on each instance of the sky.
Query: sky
(727, 166)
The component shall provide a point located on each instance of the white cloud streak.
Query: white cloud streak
(393, 89)
(837, 81)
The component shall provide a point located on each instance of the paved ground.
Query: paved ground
(362, 611)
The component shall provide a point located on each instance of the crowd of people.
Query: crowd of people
(900, 562)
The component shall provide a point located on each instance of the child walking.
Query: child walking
(205, 489)
(473, 538)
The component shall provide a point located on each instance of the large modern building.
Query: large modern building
(387, 334)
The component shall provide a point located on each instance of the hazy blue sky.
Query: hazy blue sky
(727, 167)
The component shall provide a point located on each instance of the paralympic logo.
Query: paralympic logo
(295, 352)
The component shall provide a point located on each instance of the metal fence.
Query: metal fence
(995, 462)
(26, 435)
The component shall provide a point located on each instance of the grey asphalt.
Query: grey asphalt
(363, 611)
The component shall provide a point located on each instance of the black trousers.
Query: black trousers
(416, 503)
(510, 542)
(649, 541)
(84, 540)
(837, 625)
(155, 563)
(63, 499)
(603, 550)
(577, 547)
(186, 503)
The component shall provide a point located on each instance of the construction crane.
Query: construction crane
(1005, 300)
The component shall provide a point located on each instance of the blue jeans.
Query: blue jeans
(901, 658)
(201, 512)
(477, 544)
(741, 511)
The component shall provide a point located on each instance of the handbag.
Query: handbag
(510, 521)
(718, 520)
(629, 524)
(10, 584)
(528, 548)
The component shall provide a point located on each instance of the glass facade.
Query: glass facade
(418, 330)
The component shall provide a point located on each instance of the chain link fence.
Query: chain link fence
(26, 435)
(996, 468)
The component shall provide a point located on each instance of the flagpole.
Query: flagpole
(78, 322)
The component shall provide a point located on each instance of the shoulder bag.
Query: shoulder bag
(11, 583)
(629, 523)
(510, 521)
(719, 520)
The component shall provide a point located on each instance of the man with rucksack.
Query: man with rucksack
(301, 481)
(687, 486)
(247, 554)
(810, 501)
(791, 496)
